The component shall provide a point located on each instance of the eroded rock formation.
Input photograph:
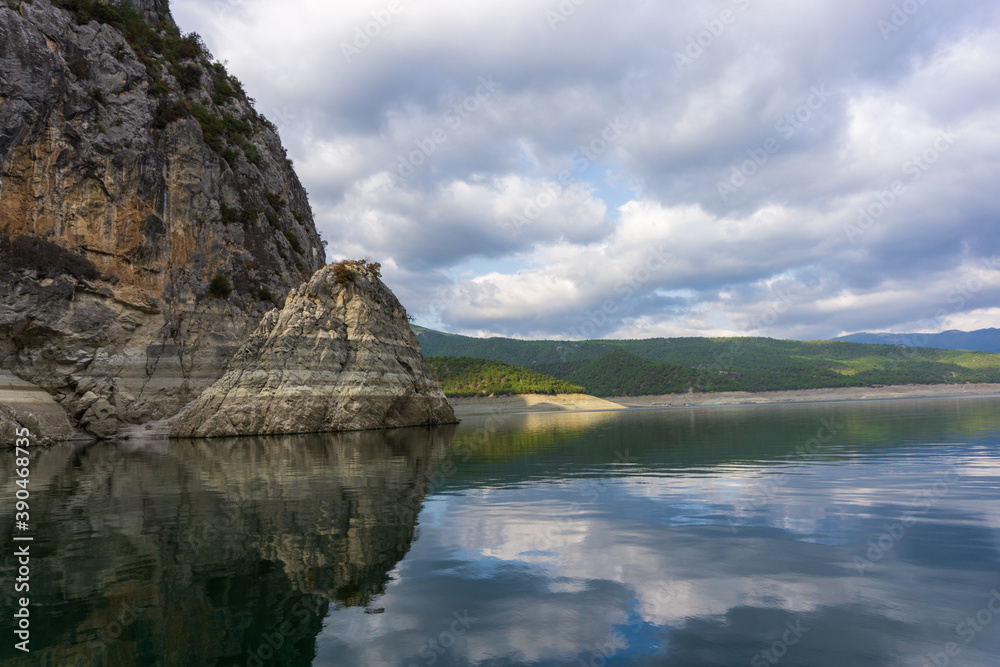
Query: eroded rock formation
(339, 356)
(134, 171)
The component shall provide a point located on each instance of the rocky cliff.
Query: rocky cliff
(339, 356)
(149, 216)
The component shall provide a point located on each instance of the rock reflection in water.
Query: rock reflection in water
(220, 552)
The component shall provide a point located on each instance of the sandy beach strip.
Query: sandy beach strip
(583, 402)
(480, 405)
(810, 395)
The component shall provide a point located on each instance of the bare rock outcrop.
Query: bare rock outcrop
(134, 171)
(26, 406)
(340, 356)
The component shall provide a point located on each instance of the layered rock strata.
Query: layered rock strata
(339, 356)
(25, 406)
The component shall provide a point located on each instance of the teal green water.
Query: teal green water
(828, 534)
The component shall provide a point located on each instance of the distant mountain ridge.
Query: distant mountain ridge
(981, 340)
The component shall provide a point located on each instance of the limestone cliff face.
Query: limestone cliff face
(133, 171)
(339, 356)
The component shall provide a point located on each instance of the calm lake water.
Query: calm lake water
(835, 534)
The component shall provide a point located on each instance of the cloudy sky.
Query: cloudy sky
(587, 168)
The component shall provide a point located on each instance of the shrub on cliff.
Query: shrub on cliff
(294, 241)
(265, 294)
(345, 270)
(168, 112)
(181, 55)
(190, 47)
(79, 68)
(230, 214)
(276, 201)
(220, 287)
(189, 76)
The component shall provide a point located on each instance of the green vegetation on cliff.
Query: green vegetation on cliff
(478, 377)
(662, 365)
(163, 50)
(184, 85)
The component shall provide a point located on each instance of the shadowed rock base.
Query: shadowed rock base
(337, 357)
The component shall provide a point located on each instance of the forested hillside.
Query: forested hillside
(464, 376)
(622, 374)
(670, 365)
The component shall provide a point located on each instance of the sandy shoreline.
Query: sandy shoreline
(531, 403)
(811, 395)
(581, 402)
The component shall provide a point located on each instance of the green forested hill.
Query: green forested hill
(668, 365)
(619, 373)
(462, 376)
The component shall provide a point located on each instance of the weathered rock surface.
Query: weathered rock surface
(337, 357)
(24, 405)
(132, 172)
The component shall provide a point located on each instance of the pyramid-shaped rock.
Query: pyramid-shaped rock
(340, 356)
